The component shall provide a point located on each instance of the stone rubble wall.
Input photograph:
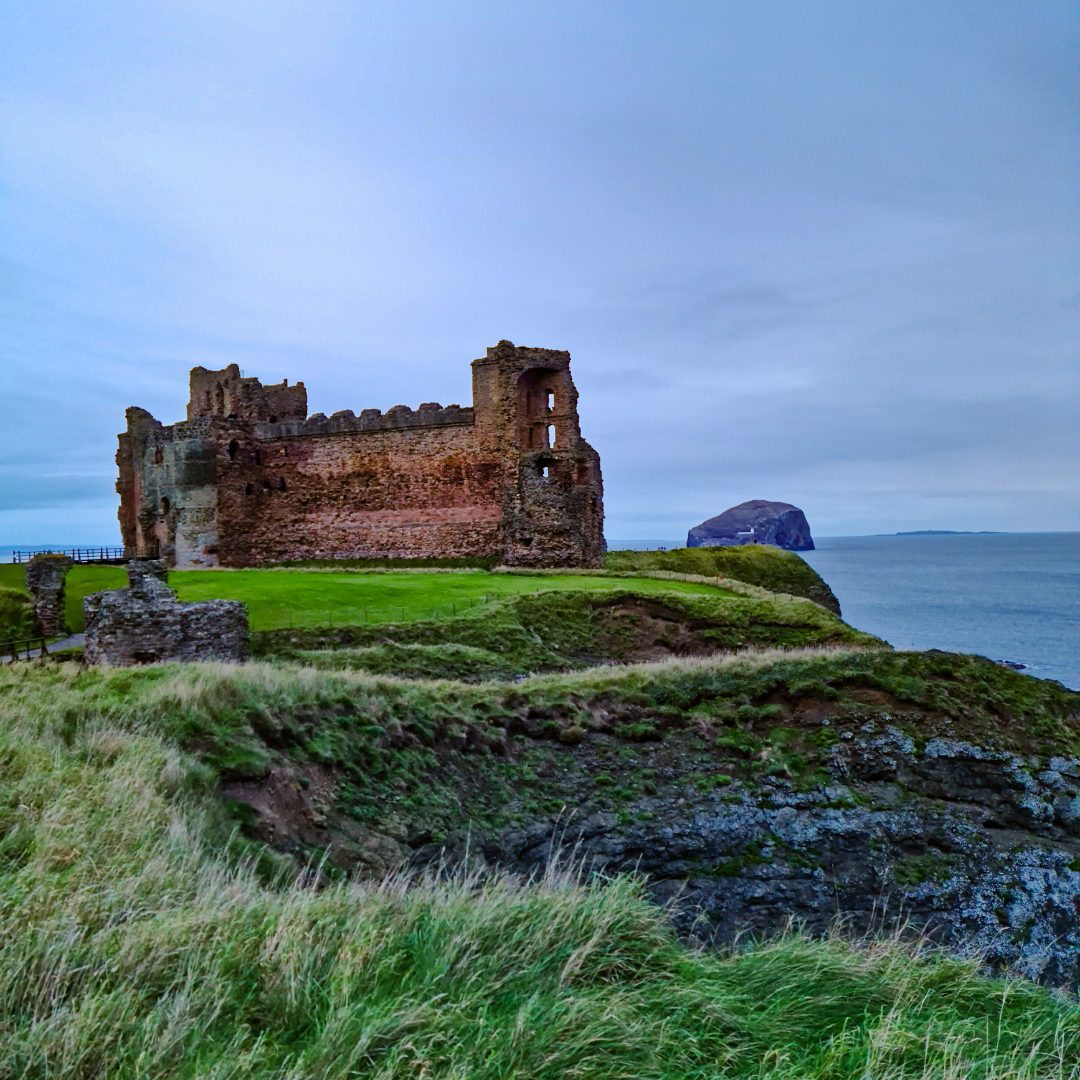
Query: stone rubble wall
(146, 624)
(45, 575)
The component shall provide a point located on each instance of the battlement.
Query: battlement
(250, 478)
(430, 414)
(506, 353)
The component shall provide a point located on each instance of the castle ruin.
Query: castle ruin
(146, 624)
(249, 478)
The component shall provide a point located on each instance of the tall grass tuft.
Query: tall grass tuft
(16, 615)
(134, 944)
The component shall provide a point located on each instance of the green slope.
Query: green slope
(136, 940)
(756, 564)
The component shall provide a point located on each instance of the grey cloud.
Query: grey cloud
(825, 254)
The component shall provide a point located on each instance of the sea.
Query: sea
(1008, 596)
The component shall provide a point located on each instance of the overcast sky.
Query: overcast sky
(827, 253)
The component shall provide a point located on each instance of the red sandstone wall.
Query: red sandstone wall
(396, 494)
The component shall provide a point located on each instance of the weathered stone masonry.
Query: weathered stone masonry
(45, 576)
(249, 478)
(146, 624)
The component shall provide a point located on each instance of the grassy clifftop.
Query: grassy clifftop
(757, 564)
(135, 942)
(560, 629)
(175, 840)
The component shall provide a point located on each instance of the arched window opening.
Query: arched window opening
(281, 485)
(545, 472)
(159, 456)
(219, 397)
(249, 489)
(234, 449)
(549, 399)
(266, 487)
(258, 457)
(165, 504)
(550, 435)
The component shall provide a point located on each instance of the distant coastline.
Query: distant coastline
(946, 532)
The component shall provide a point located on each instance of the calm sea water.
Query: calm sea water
(1009, 596)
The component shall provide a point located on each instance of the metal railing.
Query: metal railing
(78, 554)
(23, 649)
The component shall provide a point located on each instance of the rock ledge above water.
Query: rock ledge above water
(758, 521)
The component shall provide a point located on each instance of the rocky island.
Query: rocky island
(758, 521)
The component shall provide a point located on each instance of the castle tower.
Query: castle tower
(526, 402)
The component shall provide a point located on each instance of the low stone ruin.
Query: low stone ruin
(146, 623)
(45, 576)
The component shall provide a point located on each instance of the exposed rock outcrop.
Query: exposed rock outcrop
(147, 624)
(978, 849)
(886, 789)
(755, 522)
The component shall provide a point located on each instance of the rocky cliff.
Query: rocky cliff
(755, 522)
(939, 790)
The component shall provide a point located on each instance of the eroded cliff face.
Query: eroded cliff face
(883, 789)
(980, 849)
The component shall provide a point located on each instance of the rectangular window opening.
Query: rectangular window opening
(551, 435)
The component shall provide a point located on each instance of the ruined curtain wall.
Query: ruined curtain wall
(410, 493)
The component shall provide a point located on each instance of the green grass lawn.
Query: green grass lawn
(282, 598)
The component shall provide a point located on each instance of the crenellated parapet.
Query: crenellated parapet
(400, 417)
